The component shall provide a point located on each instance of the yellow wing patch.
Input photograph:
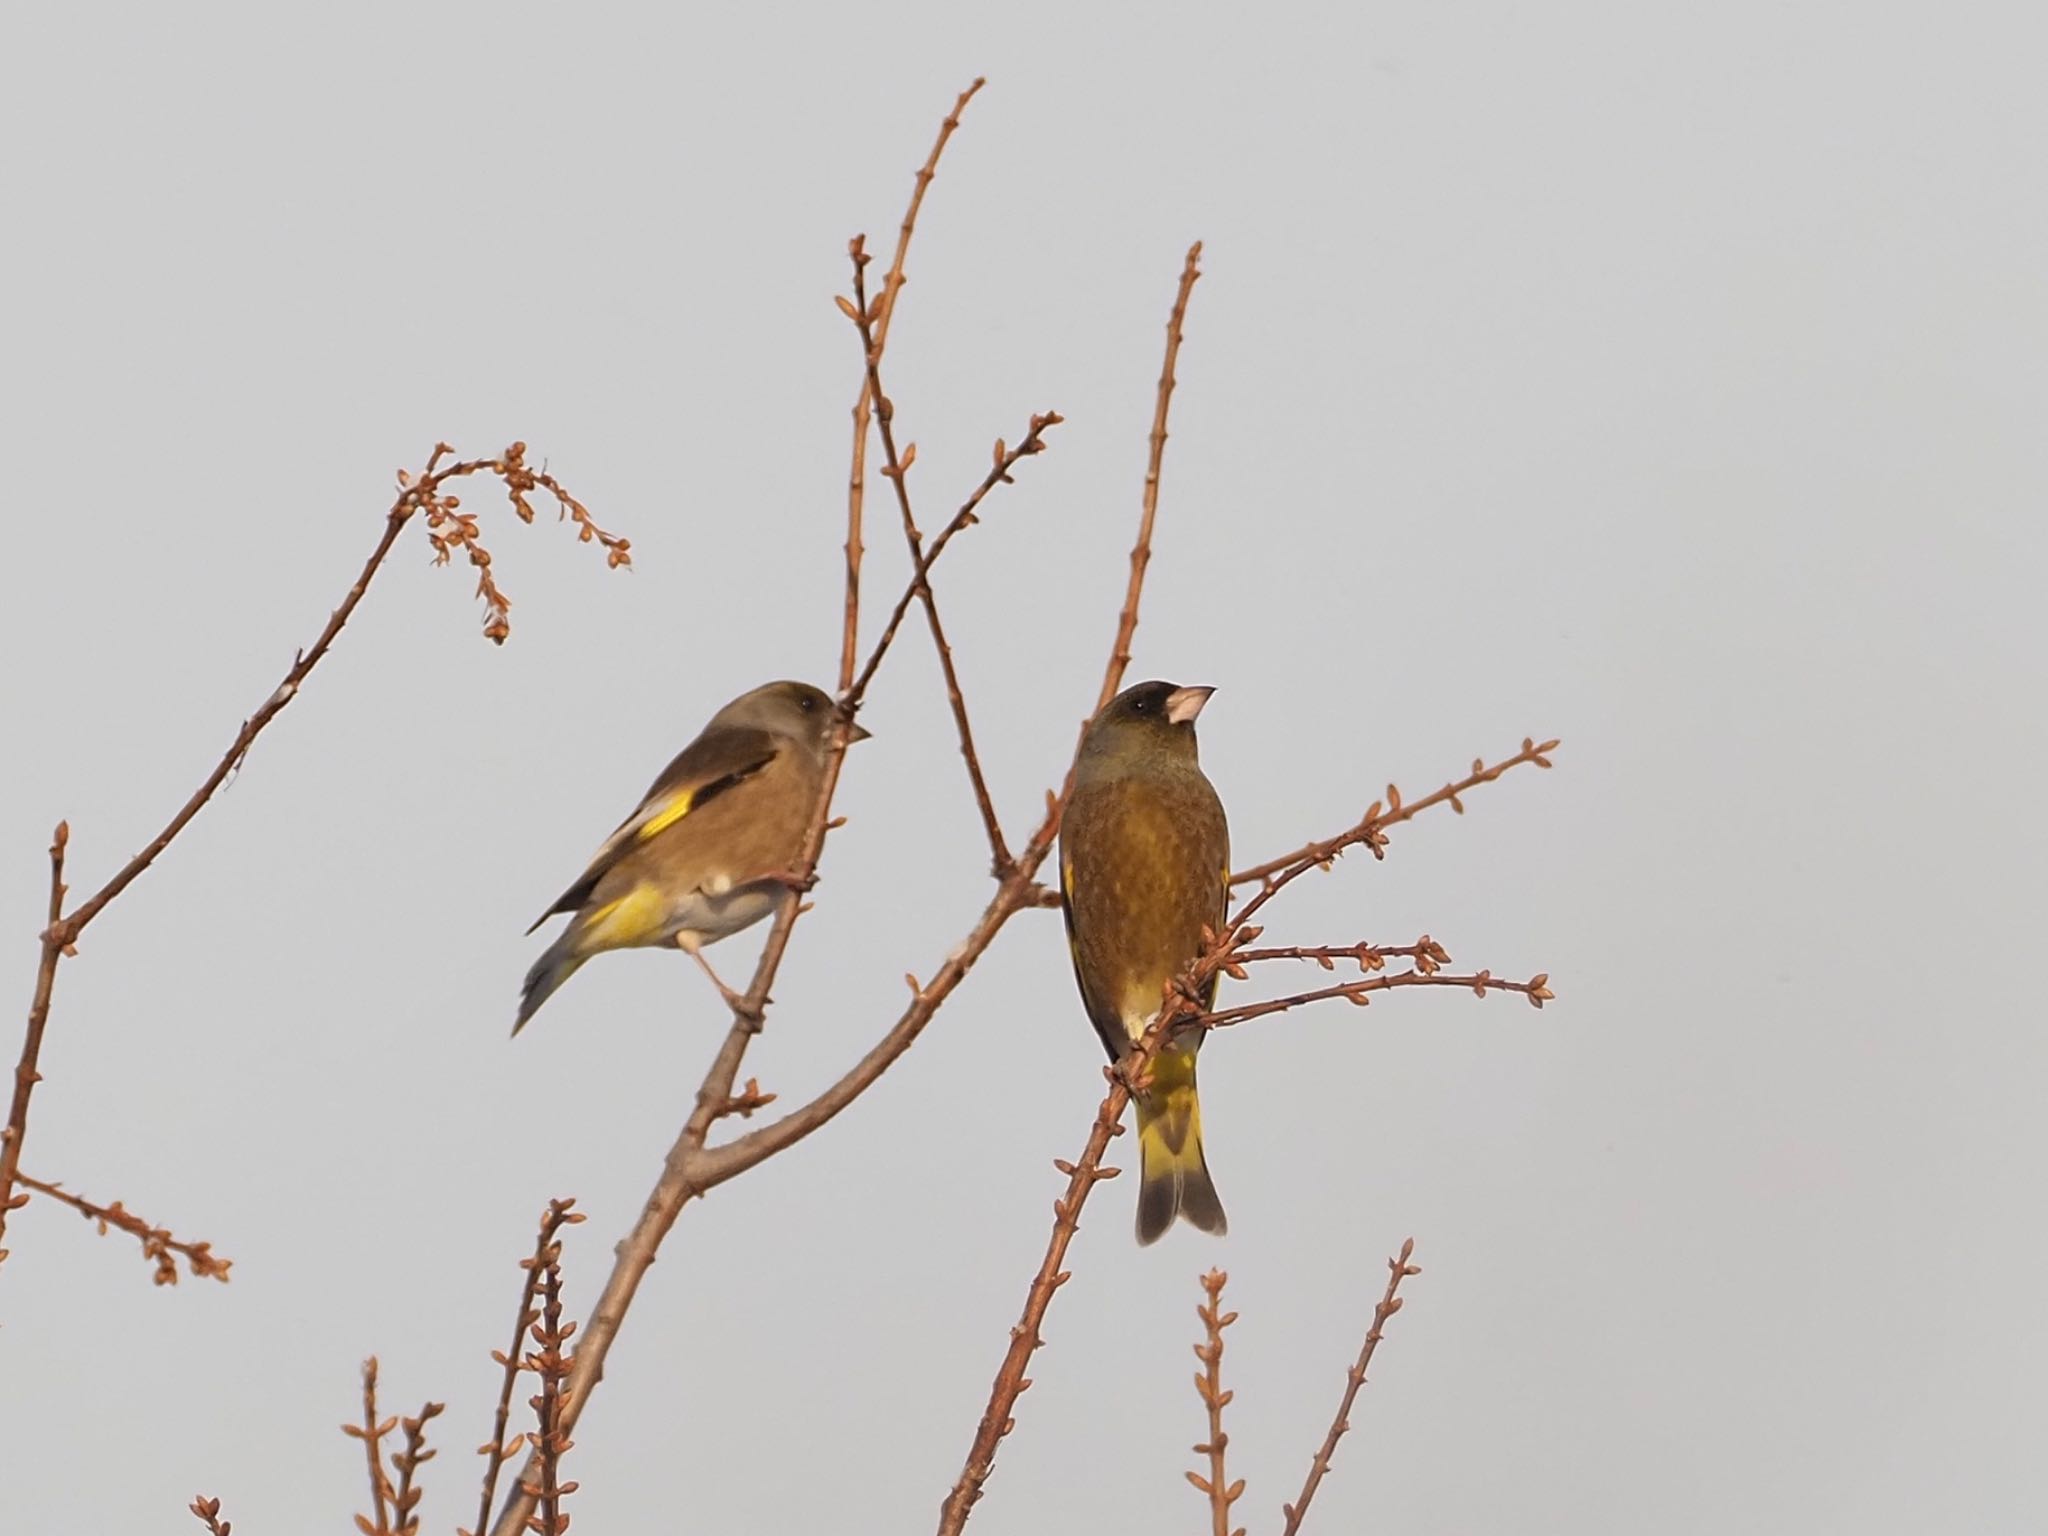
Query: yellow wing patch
(677, 808)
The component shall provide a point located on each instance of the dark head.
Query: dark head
(1147, 718)
(792, 709)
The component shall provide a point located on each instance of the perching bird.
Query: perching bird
(711, 847)
(1144, 866)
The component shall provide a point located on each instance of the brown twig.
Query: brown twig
(1006, 459)
(863, 405)
(1389, 1303)
(408, 1460)
(1382, 815)
(686, 1172)
(1085, 1173)
(1221, 1492)
(55, 945)
(372, 1432)
(896, 469)
(158, 1245)
(208, 1512)
(1536, 989)
(551, 1440)
(498, 1448)
(1141, 552)
(449, 528)
(856, 501)
(1427, 954)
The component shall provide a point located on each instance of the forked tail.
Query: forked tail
(1174, 1180)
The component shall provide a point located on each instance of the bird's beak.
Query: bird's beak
(858, 733)
(1183, 704)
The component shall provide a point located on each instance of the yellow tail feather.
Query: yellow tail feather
(1174, 1180)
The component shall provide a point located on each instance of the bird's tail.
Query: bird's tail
(556, 965)
(1174, 1180)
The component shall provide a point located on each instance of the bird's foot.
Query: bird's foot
(744, 1008)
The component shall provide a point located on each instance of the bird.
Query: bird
(711, 846)
(1144, 868)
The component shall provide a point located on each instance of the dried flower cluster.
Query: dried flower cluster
(449, 528)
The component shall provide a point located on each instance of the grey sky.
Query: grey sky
(1667, 380)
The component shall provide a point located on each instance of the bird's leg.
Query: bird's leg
(791, 879)
(736, 1001)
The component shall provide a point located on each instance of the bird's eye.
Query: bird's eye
(806, 703)
(1141, 705)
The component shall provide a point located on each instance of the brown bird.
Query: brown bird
(1144, 867)
(708, 852)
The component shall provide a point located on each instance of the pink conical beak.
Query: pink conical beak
(1183, 704)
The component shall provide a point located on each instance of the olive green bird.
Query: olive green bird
(1144, 867)
(710, 849)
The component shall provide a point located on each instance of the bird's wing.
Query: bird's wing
(705, 769)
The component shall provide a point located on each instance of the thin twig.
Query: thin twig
(896, 469)
(372, 1432)
(1221, 1492)
(417, 494)
(208, 1512)
(1006, 460)
(1427, 954)
(1377, 819)
(408, 1460)
(683, 1174)
(1083, 1174)
(856, 501)
(448, 528)
(1141, 552)
(551, 1436)
(863, 405)
(158, 1245)
(1389, 1303)
(498, 1448)
(26, 1074)
(1536, 989)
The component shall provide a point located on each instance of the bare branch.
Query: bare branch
(448, 529)
(413, 1455)
(498, 1448)
(158, 1245)
(1536, 989)
(1221, 1492)
(551, 1435)
(863, 405)
(896, 469)
(372, 1432)
(1084, 1174)
(1390, 813)
(208, 1513)
(55, 945)
(1141, 552)
(1390, 1303)
(1006, 459)
(1011, 1382)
